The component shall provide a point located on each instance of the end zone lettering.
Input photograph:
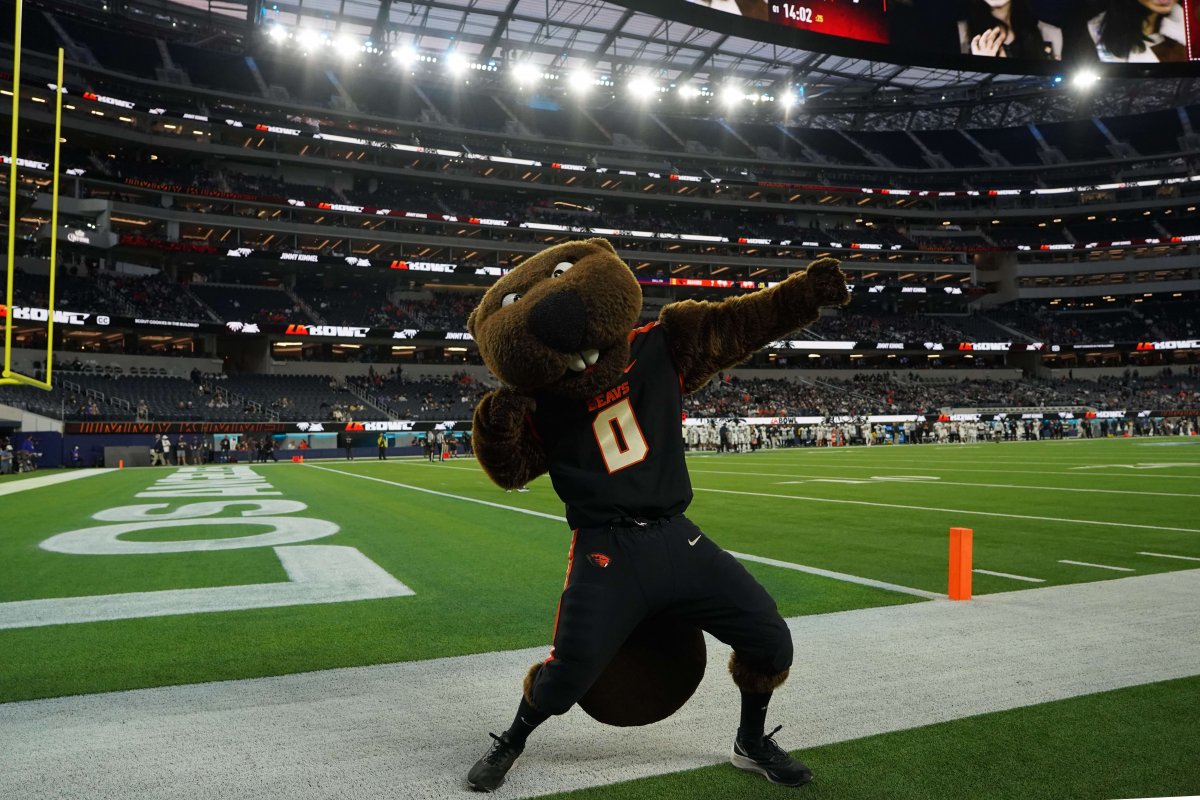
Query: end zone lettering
(340, 331)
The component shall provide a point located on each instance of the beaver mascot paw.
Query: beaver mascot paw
(556, 331)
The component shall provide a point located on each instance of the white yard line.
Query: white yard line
(1167, 555)
(925, 465)
(1097, 566)
(463, 498)
(25, 484)
(840, 576)
(412, 730)
(963, 511)
(1009, 575)
(938, 482)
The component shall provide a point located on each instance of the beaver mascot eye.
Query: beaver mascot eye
(509, 299)
(560, 268)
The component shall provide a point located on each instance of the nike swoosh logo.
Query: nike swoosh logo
(692, 542)
(631, 363)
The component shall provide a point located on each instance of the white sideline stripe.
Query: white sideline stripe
(430, 465)
(24, 484)
(951, 510)
(1061, 473)
(412, 730)
(1097, 566)
(1167, 555)
(517, 509)
(317, 574)
(1014, 577)
(950, 467)
(840, 576)
(904, 479)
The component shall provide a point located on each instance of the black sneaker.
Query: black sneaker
(769, 759)
(488, 773)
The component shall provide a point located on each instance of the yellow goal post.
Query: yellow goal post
(8, 376)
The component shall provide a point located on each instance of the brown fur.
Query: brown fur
(751, 680)
(528, 685)
(709, 337)
(704, 338)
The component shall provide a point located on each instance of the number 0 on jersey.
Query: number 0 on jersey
(619, 437)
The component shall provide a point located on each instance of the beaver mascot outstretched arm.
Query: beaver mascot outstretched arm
(709, 337)
(596, 402)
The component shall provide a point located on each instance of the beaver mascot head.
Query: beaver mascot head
(556, 330)
(560, 321)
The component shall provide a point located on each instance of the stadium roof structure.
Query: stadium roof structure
(619, 43)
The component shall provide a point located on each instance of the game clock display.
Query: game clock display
(864, 20)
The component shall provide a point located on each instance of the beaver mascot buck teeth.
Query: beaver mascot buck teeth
(597, 404)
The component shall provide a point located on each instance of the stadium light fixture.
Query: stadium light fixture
(687, 91)
(731, 95)
(277, 33)
(308, 39)
(405, 55)
(792, 96)
(643, 88)
(526, 73)
(1085, 79)
(581, 80)
(456, 63)
(346, 47)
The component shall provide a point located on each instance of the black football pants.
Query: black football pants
(621, 574)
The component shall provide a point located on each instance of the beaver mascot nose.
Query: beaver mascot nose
(559, 321)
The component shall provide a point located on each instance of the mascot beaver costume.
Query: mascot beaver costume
(597, 404)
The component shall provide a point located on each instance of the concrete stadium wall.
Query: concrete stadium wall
(28, 421)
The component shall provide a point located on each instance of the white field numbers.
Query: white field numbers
(316, 573)
(620, 437)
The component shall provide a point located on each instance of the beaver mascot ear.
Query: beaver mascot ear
(558, 326)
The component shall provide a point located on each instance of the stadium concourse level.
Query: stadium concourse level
(538, 130)
(866, 394)
(223, 189)
(659, 173)
(242, 297)
(112, 394)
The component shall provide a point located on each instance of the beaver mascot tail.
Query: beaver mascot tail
(596, 402)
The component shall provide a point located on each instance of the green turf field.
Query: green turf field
(485, 575)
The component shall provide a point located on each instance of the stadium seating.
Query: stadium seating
(250, 303)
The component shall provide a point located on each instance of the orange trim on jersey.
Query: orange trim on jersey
(649, 326)
(558, 610)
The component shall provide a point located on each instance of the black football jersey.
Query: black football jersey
(620, 454)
